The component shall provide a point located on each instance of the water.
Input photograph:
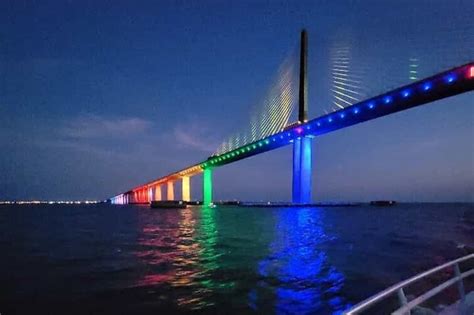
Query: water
(104, 259)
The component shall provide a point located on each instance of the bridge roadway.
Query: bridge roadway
(442, 85)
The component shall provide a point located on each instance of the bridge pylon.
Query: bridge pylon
(302, 146)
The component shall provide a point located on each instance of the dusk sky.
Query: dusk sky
(97, 97)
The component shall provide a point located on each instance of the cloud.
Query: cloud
(92, 126)
(195, 136)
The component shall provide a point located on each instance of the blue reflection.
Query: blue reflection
(297, 269)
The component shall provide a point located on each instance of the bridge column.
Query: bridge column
(170, 191)
(150, 194)
(301, 192)
(186, 189)
(158, 193)
(207, 187)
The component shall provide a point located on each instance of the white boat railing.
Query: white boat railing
(405, 306)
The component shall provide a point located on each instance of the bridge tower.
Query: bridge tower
(302, 146)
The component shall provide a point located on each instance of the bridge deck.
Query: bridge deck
(449, 83)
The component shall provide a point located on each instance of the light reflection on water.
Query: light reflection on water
(104, 259)
(305, 280)
(296, 270)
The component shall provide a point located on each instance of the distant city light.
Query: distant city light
(50, 202)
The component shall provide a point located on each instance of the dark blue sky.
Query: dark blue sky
(99, 96)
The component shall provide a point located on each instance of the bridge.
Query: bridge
(445, 84)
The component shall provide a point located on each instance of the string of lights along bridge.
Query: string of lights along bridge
(445, 84)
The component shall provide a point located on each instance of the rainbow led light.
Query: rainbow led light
(449, 83)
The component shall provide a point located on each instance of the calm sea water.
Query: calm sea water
(105, 259)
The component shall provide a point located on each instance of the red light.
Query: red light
(471, 72)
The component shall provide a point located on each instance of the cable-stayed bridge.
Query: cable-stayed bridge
(275, 131)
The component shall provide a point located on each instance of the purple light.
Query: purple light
(299, 130)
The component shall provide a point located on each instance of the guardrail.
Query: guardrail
(405, 306)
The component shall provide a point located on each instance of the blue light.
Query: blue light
(372, 105)
(450, 78)
(330, 119)
(427, 86)
(355, 110)
(387, 99)
(342, 115)
(308, 127)
(318, 124)
(289, 134)
(274, 139)
(406, 93)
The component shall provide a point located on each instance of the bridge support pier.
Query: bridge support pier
(301, 190)
(186, 188)
(157, 196)
(150, 194)
(170, 191)
(207, 187)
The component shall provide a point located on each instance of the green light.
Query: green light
(242, 151)
(254, 146)
(207, 186)
(267, 142)
(248, 149)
